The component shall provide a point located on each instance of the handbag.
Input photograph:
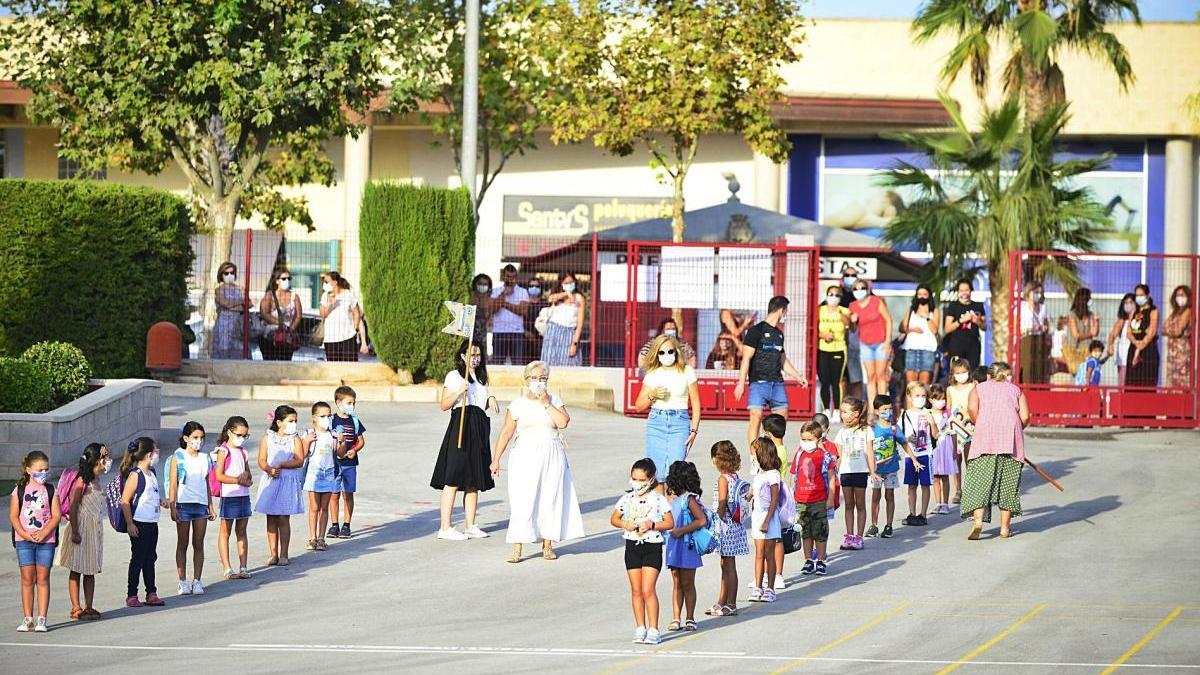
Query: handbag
(317, 337)
(792, 540)
(282, 336)
(542, 321)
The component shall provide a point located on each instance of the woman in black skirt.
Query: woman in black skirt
(1141, 365)
(465, 468)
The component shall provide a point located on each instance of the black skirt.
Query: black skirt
(466, 468)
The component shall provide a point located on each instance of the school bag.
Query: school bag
(786, 513)
(66, 482)
(1081, 374)
(112, 499)
(214, 485)
(738, 499)
(706, 540)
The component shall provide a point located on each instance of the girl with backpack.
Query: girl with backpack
(141, 501)
(34, 512)
(188, 471)
(683, 555)
(233, 473)
(731, 505)
(280, 457)
(82, 546)
(765, 526)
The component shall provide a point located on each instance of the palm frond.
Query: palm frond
(1035, 32)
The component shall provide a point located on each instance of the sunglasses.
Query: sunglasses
(664, 352)
(241, 436)
(285, 278)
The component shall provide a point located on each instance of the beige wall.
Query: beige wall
(41, 154)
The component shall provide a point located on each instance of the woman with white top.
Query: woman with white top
(465, 467)
(541, 495)
(920, 328)
(1035, 327)
(191, 504)
(560, 345)
(342, 312)
(668, 390)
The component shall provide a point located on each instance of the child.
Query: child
(644, 514)
(1057, 338)
(191, 503)
(141, 504)
(233, 472)
(887, 464)
(346, 422)
(775, 426)
(855, 444)
(958, 394)
(945, 468)
(834, 486)
(919, 427)
(83, 539)
(727, 460)
(1089, 370)
(683, 485)
(764, 521)
(464, 467)
(814, 472)
(322, 449)
(280, 456)
(34, 512)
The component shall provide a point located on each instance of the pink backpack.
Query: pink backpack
(66, 482)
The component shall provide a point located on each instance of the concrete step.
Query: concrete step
(190, 379)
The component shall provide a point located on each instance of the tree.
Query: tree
(991, 193)
(1037, 31)
(663, 73)
(239, 94)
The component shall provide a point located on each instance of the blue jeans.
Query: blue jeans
(666, 439)
(876, 352)
(32, 553)
(771, 394)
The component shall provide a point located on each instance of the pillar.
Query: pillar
(1179, 227)
(767, 179)
(355, 174)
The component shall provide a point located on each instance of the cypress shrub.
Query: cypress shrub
(418, 249)
(91, 263)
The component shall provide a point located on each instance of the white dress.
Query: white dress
(541, 494)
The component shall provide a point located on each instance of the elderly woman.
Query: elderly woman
(668, 390)
(541, 495)
(227, 335)
(997, 451)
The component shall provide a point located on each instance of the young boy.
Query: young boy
(1090, 369)
(346, 425)
(815, 470)
(835, 484)
(774, 426)
(887, 464)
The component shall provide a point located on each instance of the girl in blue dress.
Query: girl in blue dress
(683, 558)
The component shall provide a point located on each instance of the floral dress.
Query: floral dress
(227, 332)
(1179, 350)
(732, 532)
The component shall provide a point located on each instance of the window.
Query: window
(69, 168)
(3, 153)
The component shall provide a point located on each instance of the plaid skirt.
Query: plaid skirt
(991, 479)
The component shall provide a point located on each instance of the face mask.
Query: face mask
(965, 296)
(40, 477)
(961, 378)
(666, 359)
(671, 331)
(194, 444)
(236, 441)
(860, 293)
(922, 301)
(230, 278)
(939, 404)
(849, 281)
(347, 408)
(918, 401)
(1129, 306)
(885, 415)
(833, 299)
(537, 387)
(638, 485)
(1181, 301)
(322, 421)
(808, 445)
(1037, 297)
(285, 284)
(1089, 303)
(482, 288)
(289, 428)
(569, 288)
(475, 361)
(1141, 300)
(106, 466)
(154, 458)
(535, 291)
(327, 287)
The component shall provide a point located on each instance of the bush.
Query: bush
(24, 387)
(93, 264)
(418, 249)
(65, 364)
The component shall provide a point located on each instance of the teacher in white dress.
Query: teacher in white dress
(541, 495)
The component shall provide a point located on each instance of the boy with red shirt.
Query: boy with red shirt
(814, 469)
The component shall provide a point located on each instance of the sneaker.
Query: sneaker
(809, 567)
(133, 601)
(910, 519)
(40, 626)
(639, 635)
(451, 534)
(847, 542)
(334, 531)
(197, 588)
(768, 596)
(474, 532)
(821, 568)
(153, 600)
(345, 534)
(652, 637)
(922, 520)
(780, 583)
(756, 595)
(26, 625)
(872, 531)
(185, 588)
(858, 543)
(887, 532)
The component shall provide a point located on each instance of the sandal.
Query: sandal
(548, 552)
(1005, 534)
(321, 545)
(310, 545)
(89, 614)
(284, 562)
(976, 528)
(516, 554)
(729, 610)
(230, 574)
(272, 561)
(243, 573)
(76, 613)
(715, 610)
(673, 626)
(689, 625)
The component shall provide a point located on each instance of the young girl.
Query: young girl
(856, 453)
(764, 522)
(280, 456)
(945, 469)
(957, 396)
(141, 503)
(465, 468)
(683, 485)
(83, 539)
(1057, 339)
(191, 504)
(918, 425)
(34, 512)
(644, 514)
(727, 460)
(233, 472)
(320, 447)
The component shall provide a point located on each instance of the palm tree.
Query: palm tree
(990, 193)
(1037, 31)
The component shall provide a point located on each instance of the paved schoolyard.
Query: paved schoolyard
(1108, 571)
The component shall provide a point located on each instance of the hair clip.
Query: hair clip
(270, 417)
(132, 446)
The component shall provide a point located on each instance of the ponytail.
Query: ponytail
(137, 450)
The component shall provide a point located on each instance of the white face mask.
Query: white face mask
(347, 408)
(860, 293)
(327, 287)
(289, 428)
(1129, 307)
(1089, 303)
(833, 299)
(666, 359)
(939, 404)
(569, 288)
(230, 278)
(671, 331)
(1141, 299)
(154, 458)
(961, 378)
(40, 477)
(482, 288)
(535, 291)
(194, 444)
(285, 284)
(537, 387)
(106, 466)
(322, 422)
(236, 441)
(808, 445)
(638, 486)
(1181, 301)
(918, 401)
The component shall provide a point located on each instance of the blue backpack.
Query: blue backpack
(112, 499)
(706, 538)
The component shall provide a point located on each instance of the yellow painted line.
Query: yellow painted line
(1143, 642)
(848, 636)
(669, 644)
(991, 643)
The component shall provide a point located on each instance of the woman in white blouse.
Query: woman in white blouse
(342, 312)
(668, 389)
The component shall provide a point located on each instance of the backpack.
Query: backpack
(738, 499)
(112, 499)
(786, 512)
(1081, 373)
(66, 483)
(214, 485)
(705, 539)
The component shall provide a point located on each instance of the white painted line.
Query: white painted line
(565, 652)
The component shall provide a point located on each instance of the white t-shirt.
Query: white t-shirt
(924, 341)
(649, 506)
(320, 450)
(146, 509)
(505, 320)
(914, 423)
(1033, 321)
(477, 394)
(339, 323)
(675, 381)
(1056, 343)
(854, 445)
(193, 489)
(235, 467)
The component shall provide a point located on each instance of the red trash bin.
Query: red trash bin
(164, 345)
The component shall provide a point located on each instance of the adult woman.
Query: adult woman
(920, 328)
(726, 353)
(342, 312)
(833, 322)
(869, 314)
(481, 297)
(668, 388)
(1178, 329)
(463, 465)
(227, 336)
(541, 494)
(962, 326)
(668, 327)
(537, 302)
(280, 310)
(1118, 338)
(1083, 325)
(1035, 328)
(1141, 367)
(560, 344)
(997, 451)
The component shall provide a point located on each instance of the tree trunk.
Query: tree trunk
(1001, 307)
(221, 218)
(678, 227)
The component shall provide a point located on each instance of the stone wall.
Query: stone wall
(114, 414)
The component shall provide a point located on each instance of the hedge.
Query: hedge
(24, 387)
(418, 249)
(67, 367)
(91, 263)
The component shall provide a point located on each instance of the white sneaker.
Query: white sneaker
(768, 596)
(780, 583)
(451, 534)
(651, 637)
(26, 625)
(474, 532)
(41, 625)
(185, 588)
(756, 595)
(639, 635)
(197, 588)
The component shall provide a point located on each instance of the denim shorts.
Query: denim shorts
(666, 439)
(920, 360)
(768, 394)
(235, 508)
(890, 481)
(190, 512)
(30, 553)
(346, 480)
(879, 352)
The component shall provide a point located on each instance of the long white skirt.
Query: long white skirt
(541, 494)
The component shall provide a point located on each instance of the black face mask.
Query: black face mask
(922, 301)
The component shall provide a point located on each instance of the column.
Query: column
(1179, 226)
(355, 174)
(767, 179)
